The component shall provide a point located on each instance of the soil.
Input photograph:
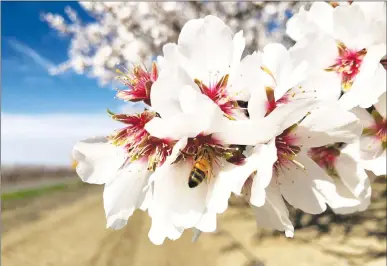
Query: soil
(68, 228)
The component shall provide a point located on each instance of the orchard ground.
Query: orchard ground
(66, 226)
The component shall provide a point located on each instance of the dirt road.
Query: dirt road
(69, 229)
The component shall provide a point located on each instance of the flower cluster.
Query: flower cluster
(127, 31)
(276, 125)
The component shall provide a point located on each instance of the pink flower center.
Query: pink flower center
(139, 81)
(271, 103)
(218, 94)
(378, 129)
(137, 142)
(347, 65)
(381, 131)
(287, 149)
(325, 156)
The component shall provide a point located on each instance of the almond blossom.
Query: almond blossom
(126, 160)
(300, 180)
(100, 162)
(345, 45)
(371, 147)
(139, 83)
(194, 98)
(282, 167)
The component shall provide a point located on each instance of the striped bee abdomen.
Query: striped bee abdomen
(196, 177)
(201, 169)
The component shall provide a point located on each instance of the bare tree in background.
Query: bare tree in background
(123, 33)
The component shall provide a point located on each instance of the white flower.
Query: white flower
(300, 180)
(280, 95)
(124, 163)
(100, 162)
(282, 167)
(193, 100)
(371, 148)
(351, 180)
(345, 45)
(357, 18)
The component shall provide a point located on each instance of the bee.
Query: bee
(202, 167)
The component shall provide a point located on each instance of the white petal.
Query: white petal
(194, 102)
(327, 85)
(367, 148)
(239, 43)
(274, 213)
(251, 132)
(253, 162)
(98, 160)
(369, 84)
(124, 194)
(257, 104)
(176, 127)
(372, 10)
(349, 21)
(174, 199)
(177, 148)
(307, 189)
(267, 158)
(351, 173)
(377, 165)
(208, 46)
(161, 229)
(196, 234)
(327, 125)
(165, 91)
(198, 115)
(318, 19)
(370, 147)
(276, 59)
(346, 202)
(223, 184)
(297, 26)
(381, 105)
(319, 50)
(245, 132)
(354, 184)
(321, 13)
(246, 78)
(207, 222)
(365, 118)
(170, 59)
(288, 114)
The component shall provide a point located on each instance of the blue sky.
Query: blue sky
(40, 111)
(29, 48)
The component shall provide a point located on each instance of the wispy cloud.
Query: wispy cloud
(32, 54)
(48, 139)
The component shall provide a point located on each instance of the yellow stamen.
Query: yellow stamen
(74, 164)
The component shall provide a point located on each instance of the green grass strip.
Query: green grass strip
(33, 192)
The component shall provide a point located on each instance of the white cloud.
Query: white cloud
(131, 108)
(32, 54)
(48, 139)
